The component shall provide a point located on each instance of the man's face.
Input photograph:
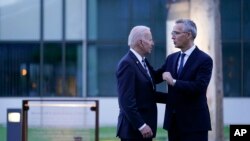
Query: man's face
(180, 36)
(147, 43)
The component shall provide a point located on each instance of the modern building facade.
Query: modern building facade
(70, 49)
(63, 48)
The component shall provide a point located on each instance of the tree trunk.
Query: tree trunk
(206, 14)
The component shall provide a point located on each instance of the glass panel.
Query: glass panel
(52, 70)
(246, 27)
(157, 59)
(92, 71)
(19, 69)
(231, 69)
(109, 23)
(53, 19)
(61, 120)
(108, 20)
(141, 12)
(246, 74)
(74, 69)
(158, 22)
(230, 19)
(102, 65)
(19, 19)
(92, 19)
(75, 19)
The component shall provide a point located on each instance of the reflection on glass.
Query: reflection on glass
(246, 72)
(19, 19)
(232, 70)
(109, 23)
(57, 79)
(17, 73)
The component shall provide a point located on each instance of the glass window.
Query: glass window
(19, 70)
(52, 70)
(157, 59)
(112, 21)
(74, 69)
(231, 69)
(141, 12)
(246, 19)
(109, 24)
(92, 71)
(102, 63)
(92, 20)
(19, 20)
(53, 19)
(57, 79)
(75, 19)
(246, 73)
(230, 19)
(235, 44)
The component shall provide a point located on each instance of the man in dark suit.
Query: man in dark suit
(137, 119)
(187, 74)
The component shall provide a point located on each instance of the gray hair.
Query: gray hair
(189, 26)
(137, 33)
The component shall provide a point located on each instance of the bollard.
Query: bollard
(14, 125)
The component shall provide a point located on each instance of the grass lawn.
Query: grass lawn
(105, 134)
(109, 133)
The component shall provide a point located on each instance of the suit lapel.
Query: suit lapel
(139, 65)
(190, 61)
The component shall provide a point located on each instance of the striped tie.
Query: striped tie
(146, 67)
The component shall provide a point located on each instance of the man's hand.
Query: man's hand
(146, 132)
(168, 77)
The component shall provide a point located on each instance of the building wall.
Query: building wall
(235, 111)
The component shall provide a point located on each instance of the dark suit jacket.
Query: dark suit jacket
(187, 98)
(136, 98)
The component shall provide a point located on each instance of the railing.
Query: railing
(64, 117)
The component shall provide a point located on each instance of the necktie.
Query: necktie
(145, 67)
(147, 70)
(181, 63)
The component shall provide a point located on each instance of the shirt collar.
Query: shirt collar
(189, 51)
(138, 56)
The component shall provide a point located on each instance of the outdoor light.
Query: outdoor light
(14, 117)
(24, 72)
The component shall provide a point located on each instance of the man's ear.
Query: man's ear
(189, 35)
(139, 43)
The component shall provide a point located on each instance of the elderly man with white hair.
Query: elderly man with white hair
(137, 119)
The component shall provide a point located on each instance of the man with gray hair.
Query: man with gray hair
(187, 74)
(137, 119)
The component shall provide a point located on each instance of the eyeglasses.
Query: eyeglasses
(174, 33)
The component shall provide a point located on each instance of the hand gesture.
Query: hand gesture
(168, 77)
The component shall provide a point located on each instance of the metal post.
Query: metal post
(25, 107)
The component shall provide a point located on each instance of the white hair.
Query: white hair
(137, 33)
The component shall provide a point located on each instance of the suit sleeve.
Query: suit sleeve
(158, 74)
(160, 97)
(126, 98)
(200, 82)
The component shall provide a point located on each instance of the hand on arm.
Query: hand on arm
(168, 77)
